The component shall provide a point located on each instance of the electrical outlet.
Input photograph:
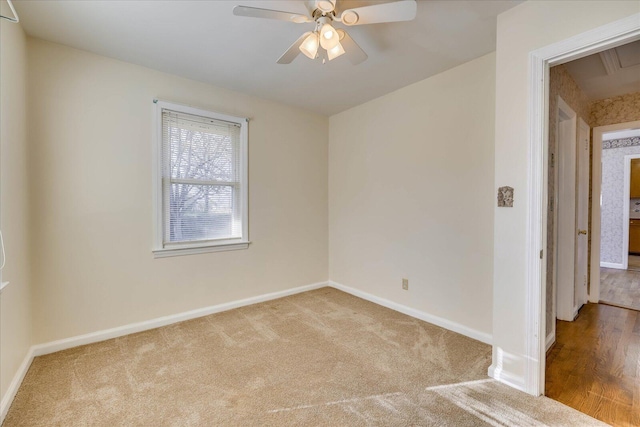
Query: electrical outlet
(405, 284)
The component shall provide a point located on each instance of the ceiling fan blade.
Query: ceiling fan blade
(355, 54)
(293, 51)
(256, 12)
(403, 10)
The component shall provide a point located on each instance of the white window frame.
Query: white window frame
(160, 249)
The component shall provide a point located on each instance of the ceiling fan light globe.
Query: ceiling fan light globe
(309, 46)
(336, 51)
(329, 37)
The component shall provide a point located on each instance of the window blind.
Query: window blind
(201, 182)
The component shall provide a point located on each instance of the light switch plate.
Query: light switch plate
(505, 197)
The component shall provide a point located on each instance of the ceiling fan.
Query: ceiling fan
(323, 13)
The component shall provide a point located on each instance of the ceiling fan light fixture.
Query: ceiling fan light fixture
(329, 37)
(323, 13)
(326, 5)
(310, 46)
(336, 51)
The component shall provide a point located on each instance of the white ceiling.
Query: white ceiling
(203, 40)
(622, 77)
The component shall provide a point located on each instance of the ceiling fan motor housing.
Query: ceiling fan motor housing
(326, 5)
(348, 17)
(318, 8)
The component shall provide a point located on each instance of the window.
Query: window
(200, 180)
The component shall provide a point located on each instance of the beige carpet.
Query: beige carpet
(318, 358)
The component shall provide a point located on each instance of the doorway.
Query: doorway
(571, 213)
(565, 211)
(596, 335)
(617, 149)
(605, 37)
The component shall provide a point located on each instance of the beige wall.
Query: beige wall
(411, 195)
(15, 312)
(526, 27)
(91, 140)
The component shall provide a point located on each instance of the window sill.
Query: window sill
(169, 252)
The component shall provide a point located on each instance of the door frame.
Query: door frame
(596, 218)
(565, 213)
(582, 126)
(606, 37)
(596, 190)
(625, 208)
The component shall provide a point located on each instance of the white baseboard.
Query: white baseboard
(612, 265)
(551, 338)
(507, 378)
(430, 318)
(11, 392)
(52, 347)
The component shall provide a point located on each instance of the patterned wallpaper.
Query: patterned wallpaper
(622, 142)
(619, 109)
(612, 202)
(560, 84)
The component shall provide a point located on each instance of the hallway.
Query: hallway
(620, 287)
(594, 365)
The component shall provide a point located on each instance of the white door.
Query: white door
(566, 211)
(582, 215)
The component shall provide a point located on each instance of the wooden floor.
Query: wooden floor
(620, 287)
(594, 366)
(634, 262)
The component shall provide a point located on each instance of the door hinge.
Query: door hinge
(541, 251)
